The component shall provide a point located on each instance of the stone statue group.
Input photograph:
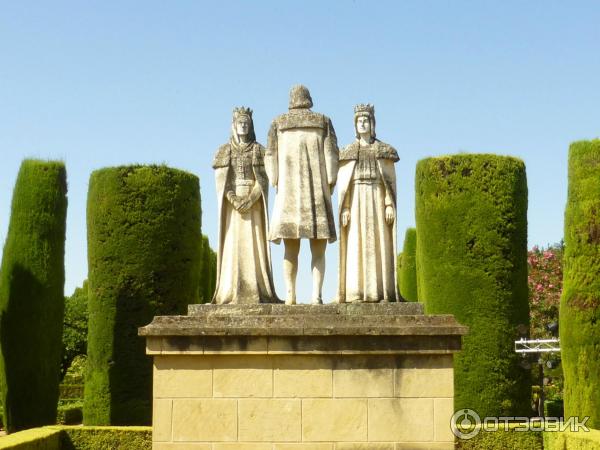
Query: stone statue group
(302, 162)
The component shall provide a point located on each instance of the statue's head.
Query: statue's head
(364, 120)
(242, 127)
(300, 97)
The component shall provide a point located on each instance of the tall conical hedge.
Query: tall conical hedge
(580, 301)
(32, 281)
(144, 249)
(471, 212)
(398, 270)
(408, 272)
(208, 271)
(213, 272)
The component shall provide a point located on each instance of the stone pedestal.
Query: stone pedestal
(277, 377)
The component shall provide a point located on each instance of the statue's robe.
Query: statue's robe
(244, 272)
(367, 267)
(301, 161)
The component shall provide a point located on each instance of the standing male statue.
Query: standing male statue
(301, 161)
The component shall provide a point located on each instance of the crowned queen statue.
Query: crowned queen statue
(367, 208)
(243, 257)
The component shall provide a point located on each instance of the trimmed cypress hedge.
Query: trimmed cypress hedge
(471, 213)
(144, 249)
(213, 273)
(504, 439)
(94, 438)
(580, 301)
(208, 277)
(79, 438)
(71, 391)
(408, 273)
(569, 440)
(43, 438)
(70, 413)
(32, 280)
(399, 271)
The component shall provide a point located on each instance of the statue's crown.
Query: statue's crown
(242, 111)
(362, 108)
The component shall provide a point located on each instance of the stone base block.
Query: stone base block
(316, 386)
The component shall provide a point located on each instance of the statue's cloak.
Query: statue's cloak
(222, 166)
(301, 161)
(386, 156)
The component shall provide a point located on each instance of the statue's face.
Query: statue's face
(363, 125)
(242, 126)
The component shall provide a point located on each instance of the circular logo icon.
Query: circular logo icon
(465, 424)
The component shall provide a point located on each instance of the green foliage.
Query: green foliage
(580, 301)
(31, 296)
(79, 438)
(408, 273)
(471, 213)
(572, 440)
(545, 286)
(554, 408)
(106, 438)
(503, 440)
(398, 270)
(70, 413)
(208, 270)
(75, 327)
(45, 438)
(144, 250)
(71, 391)
(76, 371)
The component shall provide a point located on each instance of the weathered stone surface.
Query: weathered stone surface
(363, 376)
(302, 376)
(425, 446)
(153, 346)
(401, 420)
(298, 335)
(189, 345)
(180, 446)
(242, 446)
(365, 446)
(161, 419)
(335, 420)
(290, 378)
(309, 320)
(363, 345)
(269, 420)
(327, 399)
(204, 420)
(234, 344)
(242, 376)
(305, 446)
(368, 309)
(443, 409)
(425, 376)
(314, 345)
(182, 376)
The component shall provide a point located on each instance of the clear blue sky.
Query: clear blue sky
(101, 83)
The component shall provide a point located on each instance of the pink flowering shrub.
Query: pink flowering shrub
(545, 287)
